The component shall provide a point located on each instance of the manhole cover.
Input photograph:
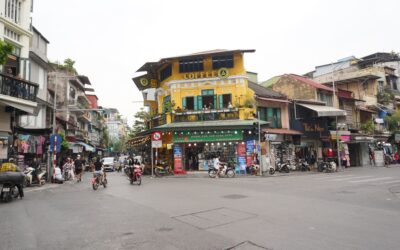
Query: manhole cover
(247, 245)
(234, 196)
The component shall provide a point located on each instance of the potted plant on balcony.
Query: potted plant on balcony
(249, 103)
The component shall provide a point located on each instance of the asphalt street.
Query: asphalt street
(355, 209)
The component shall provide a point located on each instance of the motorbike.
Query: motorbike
(9, 191)
(255, 168)
(303, 165)
(162, 170)
(8, 185)
(68, 174)
(327, 167)
(135, 174)
(282, 167)
(34, 177)
(227, 170)
(96, 181)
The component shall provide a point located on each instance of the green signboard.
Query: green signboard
(207, 136)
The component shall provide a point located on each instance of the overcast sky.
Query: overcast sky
(111, 39)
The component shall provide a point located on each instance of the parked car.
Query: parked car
(108, 163)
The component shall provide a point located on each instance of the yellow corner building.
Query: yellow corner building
(202, 105)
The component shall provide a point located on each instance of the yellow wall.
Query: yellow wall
(192, 84)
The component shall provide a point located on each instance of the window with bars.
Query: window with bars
(165, 73)
(13, 10)
(222, 61)
(272, 115)
(191, 65)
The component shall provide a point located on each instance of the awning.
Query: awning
(324, 110)
(224, 124)
(21, 104)
(87, 146)
(366, 109)
(282, 131)
(272, 99)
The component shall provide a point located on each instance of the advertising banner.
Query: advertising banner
(203, 136)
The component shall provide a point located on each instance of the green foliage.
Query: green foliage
(105, 137)
(67, 66)
(393, 121)
(368, 127)
(385, 97)
(5, 50)
(169, 106)
(250, 103)
(140, 122)
(64, 143)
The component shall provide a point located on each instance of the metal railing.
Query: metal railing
(18, 88)
(206, 115)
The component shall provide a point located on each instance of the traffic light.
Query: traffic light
(254, 130)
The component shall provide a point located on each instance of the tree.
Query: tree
(393, 121)
(69, 65)
(140, 122)
(105, 138)
(368, 127)
(5, 50)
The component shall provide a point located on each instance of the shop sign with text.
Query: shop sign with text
(207, 136)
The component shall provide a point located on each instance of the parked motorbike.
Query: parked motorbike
(327, 167)
(255, 168)
(34, 177)
(282, 167)
(163, 169)
(303, 165)
(68, 175)
(227, 170)
(97, 181)
(9, 191)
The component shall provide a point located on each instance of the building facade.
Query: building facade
(203, 107)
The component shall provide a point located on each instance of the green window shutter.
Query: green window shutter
(195, 103)
(278, 115)
(183, 102)
(221, 102)
(215, 102)
(199, 102)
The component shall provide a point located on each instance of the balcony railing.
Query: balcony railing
(157, 121)
(18, 88)
(206, 115)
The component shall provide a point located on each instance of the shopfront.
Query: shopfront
(195, 150)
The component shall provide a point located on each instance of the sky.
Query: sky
(110, 40)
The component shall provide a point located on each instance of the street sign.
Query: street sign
(156, 140)
(55, 138)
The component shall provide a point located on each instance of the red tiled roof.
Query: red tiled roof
(283, 131)
(310, 82)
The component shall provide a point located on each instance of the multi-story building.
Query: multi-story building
(312, 112)
(370, 81)
(202, 104)
(72, 107)
(114, 124)
(17, 93)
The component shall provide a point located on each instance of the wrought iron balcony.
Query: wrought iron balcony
(19, 88)
(206, 115)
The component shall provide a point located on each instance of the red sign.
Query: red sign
(178, 165)
(156, 136)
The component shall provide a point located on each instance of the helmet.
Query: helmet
(11, 160)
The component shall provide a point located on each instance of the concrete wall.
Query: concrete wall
(294, 89)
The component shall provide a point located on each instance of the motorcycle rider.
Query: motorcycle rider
(35, 173)
(79, 168)
(98, 169)
(69, 166)
(11, 167)
(218, 166)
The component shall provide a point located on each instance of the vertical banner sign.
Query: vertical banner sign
(241, 155)
(178, 168)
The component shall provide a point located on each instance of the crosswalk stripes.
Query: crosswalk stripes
(357, 179)
(371, 180)
(350, 178)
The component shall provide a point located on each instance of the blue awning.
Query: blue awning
(87, 146)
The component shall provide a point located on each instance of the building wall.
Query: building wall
(180, 85)
(284, 107)
(294, 89)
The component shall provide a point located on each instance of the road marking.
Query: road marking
(333, 176)
(390, 182)
(373, 179)
(350, 178)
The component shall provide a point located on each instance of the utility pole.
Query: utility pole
(259, 142)
(336, 118)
